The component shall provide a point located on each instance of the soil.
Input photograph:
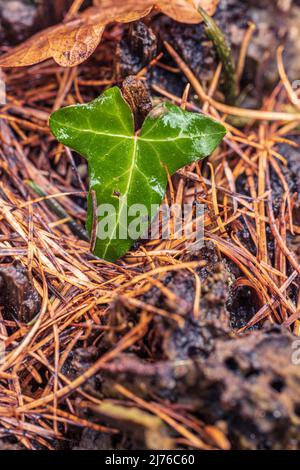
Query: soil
(19, 19)
(17, 294)
(240, 386)
(247, 386)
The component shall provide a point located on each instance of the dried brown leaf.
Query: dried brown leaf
(71, 43)
(185, 11)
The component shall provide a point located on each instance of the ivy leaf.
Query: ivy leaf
(126, 169)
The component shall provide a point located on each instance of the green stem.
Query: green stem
(224, 52)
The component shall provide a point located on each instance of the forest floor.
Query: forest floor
(168, 348)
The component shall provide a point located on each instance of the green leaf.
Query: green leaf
(126, 169)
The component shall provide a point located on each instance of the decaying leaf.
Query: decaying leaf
(127, 170)
(72, 43)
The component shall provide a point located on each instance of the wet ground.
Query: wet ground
(246, 385)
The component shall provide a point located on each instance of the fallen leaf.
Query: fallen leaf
(125, 169)
(148, 428)
(71, 43)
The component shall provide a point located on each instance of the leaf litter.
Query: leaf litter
(146, 333)
(73, 42)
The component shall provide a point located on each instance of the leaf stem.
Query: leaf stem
(224, 52)
(60, 212)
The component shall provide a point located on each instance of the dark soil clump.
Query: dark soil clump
(18, 296)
